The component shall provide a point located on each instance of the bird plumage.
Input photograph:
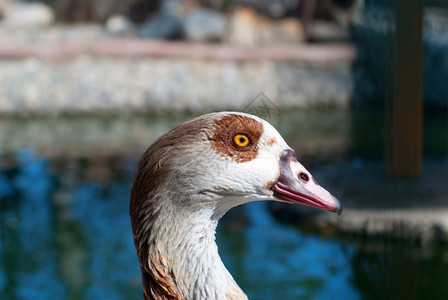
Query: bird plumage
(188, 179)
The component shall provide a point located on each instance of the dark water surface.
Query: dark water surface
(65, 231)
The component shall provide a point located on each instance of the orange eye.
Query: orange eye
(241, 140)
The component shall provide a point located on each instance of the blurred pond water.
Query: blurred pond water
(65, 230)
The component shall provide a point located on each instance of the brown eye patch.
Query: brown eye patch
(237, 137)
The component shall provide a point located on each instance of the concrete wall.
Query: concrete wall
(40, 81)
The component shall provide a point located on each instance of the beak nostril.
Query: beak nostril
(304, 177)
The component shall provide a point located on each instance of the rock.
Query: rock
(119, 25)
(167, 23)
(327, 31)
(27, 15)
(279, 9)
(273, 8)
(179, 8)
(243, 27)
(284, 31)
(249, 28)
(4, 6)
(161, 26)
(204, 25)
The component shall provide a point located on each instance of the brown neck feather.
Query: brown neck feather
(153, 171)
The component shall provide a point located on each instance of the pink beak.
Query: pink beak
(296, 185)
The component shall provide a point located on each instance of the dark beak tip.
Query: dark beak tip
(338, 210)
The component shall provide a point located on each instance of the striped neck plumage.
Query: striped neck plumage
(182, 257)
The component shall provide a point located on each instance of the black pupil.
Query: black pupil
(242, 140)
(304, 177)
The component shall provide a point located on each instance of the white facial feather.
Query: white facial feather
(241, 182)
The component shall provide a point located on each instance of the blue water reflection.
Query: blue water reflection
(73, 244)
(70, 238)
(281, 261)
(65, 234)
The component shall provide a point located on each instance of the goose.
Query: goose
(188, 179)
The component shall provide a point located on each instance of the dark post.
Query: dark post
(404, 116)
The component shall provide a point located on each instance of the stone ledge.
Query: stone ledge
(135, 48)
(424, 224)
(114, 76)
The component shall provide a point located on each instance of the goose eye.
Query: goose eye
(241, 140)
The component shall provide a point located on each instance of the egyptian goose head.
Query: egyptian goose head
(188, 179)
